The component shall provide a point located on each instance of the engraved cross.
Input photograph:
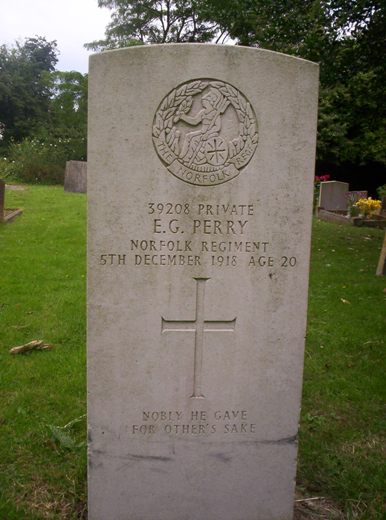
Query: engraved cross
(199, 326)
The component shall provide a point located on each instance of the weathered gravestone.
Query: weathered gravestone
(354, 196)
(333, 195)
(75, 176)
(198, 273)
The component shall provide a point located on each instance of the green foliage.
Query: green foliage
(43, 113)
(5, 167)
(136, 22)
(347, 38)
(342, 434)
(43, 394)
(294, 27)
(42, 159)
(68, 103)
(63, 436)
(32, 161)
(59, 136)
(352, 121)
(24, 87)
(381, 191)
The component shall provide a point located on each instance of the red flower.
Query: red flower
(322, 178)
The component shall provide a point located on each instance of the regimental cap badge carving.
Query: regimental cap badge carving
(205, 132)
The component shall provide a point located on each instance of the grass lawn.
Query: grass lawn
(43, 394)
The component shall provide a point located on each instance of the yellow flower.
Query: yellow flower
(368, 206)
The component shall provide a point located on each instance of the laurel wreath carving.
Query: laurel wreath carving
(180, 101)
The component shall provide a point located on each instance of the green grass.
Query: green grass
(42, 281)
(42, 296)
(342, 436)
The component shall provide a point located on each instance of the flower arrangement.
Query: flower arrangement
(352, 198)
(368, 207)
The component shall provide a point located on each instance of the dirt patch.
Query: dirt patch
(316, 508)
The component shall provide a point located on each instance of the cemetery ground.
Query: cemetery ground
(43, 393)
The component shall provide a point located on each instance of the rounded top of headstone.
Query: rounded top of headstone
(206, 48)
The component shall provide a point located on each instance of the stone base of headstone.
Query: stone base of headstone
(9, 215)
(75, 177)
(381, 269)
(330, 216)
(6, 215)
(376, 222)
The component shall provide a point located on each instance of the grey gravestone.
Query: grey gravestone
(75, 177)
(333, 195)
(354, 196)
(198, 272)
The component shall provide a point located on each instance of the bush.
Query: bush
(381, 191)
(5, 167)
(42, 159)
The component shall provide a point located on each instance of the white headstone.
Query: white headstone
(333, 195)
(198, 276)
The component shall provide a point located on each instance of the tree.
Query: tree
(347, 38)
(138, 22)
(361, 104)
(67, 124)
(24, 86)
(68, 105)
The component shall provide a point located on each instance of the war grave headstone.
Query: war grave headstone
(75, 177)
(333, 196)
(6, 215)
(198, 261)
